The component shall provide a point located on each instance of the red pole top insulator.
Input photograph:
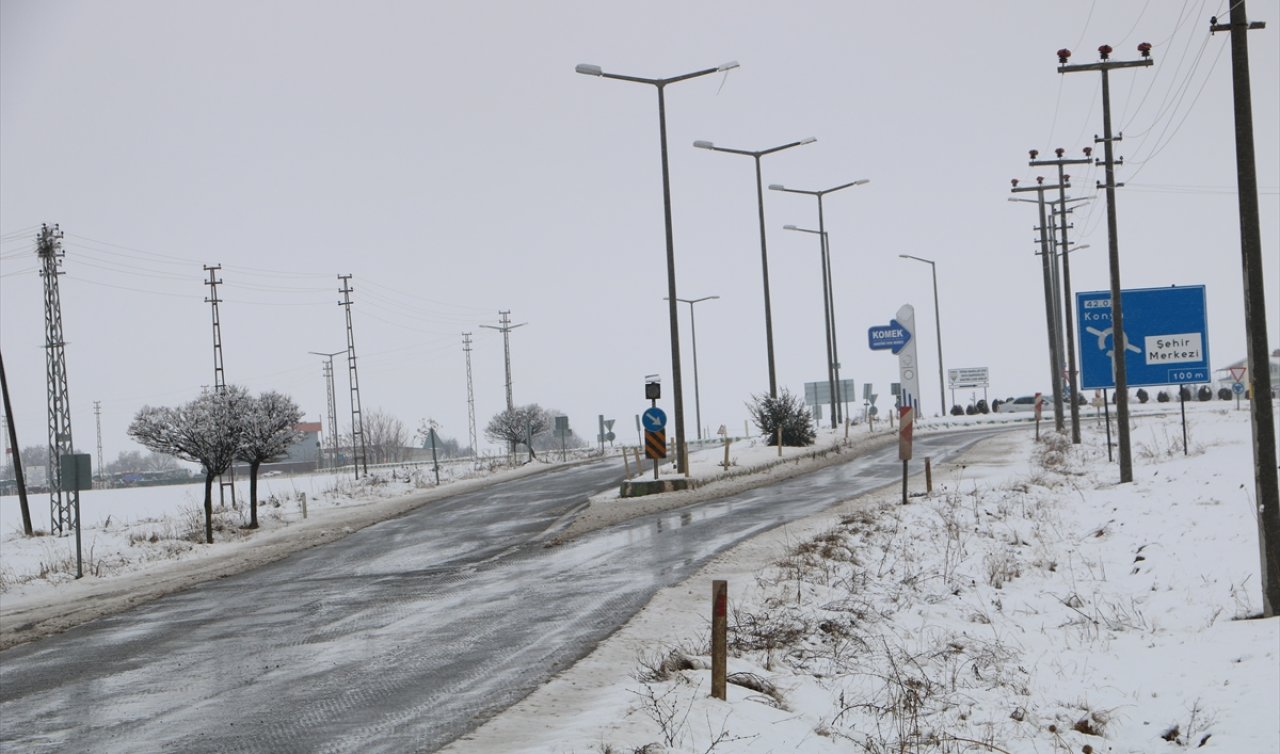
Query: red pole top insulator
(1105, 52)
(1145, 49)
(1063, 56)
(1034, 153)
(1014, 182)
(1059, 151)
(1040, 179)
(1088, 151)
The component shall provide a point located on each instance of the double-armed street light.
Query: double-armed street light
(937, 326)
(693, 329)
(764, 254)
(588, 69)
(833, 369)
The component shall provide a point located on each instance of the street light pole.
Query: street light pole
(673, 315)
(693, 329)
(764, 254)
(826, 315)
(833, 372)
(937, 326)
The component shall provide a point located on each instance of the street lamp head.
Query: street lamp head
(703, 144)
(777, 187)
(788, 227)
(728, 66)
(862, 182)
(808, 140)
(588, 69)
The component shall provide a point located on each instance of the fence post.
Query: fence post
(719, 636)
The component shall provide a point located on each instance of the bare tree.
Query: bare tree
(267, 434)
(384, 436)
(206, 431)
(518, 425)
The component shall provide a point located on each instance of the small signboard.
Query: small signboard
(75, 472)
(967, 377)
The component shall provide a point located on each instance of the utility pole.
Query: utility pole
(1113, 242)
(1068, 319)
(505, 327)
(332, 404)
(64, 511)
(97, 415)
(1051, 311)
(14, 453)
(360, 456)
(1261, 409)
(219, 376)
(471, 402)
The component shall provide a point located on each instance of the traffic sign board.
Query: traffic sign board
(654, 419)
(1166, 339)
(893, 336)
(1238, 373)
(1238, 388)
(655, 444)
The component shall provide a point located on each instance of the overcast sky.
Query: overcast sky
(449, 159)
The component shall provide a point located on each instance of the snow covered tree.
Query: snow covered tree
(517, 425)
(206, 431)
(268, 432)
(787, 412)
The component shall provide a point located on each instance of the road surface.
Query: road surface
(400, 637)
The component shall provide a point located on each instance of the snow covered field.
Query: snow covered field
(1031, 604)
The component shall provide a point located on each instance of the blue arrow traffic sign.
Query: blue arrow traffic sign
(654, 419)
(892, 336)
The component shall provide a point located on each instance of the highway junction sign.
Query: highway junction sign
(1166, 338)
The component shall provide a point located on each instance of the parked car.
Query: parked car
(1025, 403)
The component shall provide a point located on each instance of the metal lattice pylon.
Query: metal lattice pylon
(471, 400)
(64, 508)
(219, 376)
(332, 404)
(358, 451)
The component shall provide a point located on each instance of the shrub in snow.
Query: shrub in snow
(786, 412)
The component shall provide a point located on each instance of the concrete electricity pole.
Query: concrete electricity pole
(1068, 319)
(1051, 311)
(1261, 408)
(1113, 257)
(505, 327)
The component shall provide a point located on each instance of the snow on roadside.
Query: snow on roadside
(1031, 604)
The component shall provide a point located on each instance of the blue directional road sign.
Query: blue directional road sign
(654, 419)
(1166, 337)
(891, 337)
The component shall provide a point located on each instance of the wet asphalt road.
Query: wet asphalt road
(398, 638)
